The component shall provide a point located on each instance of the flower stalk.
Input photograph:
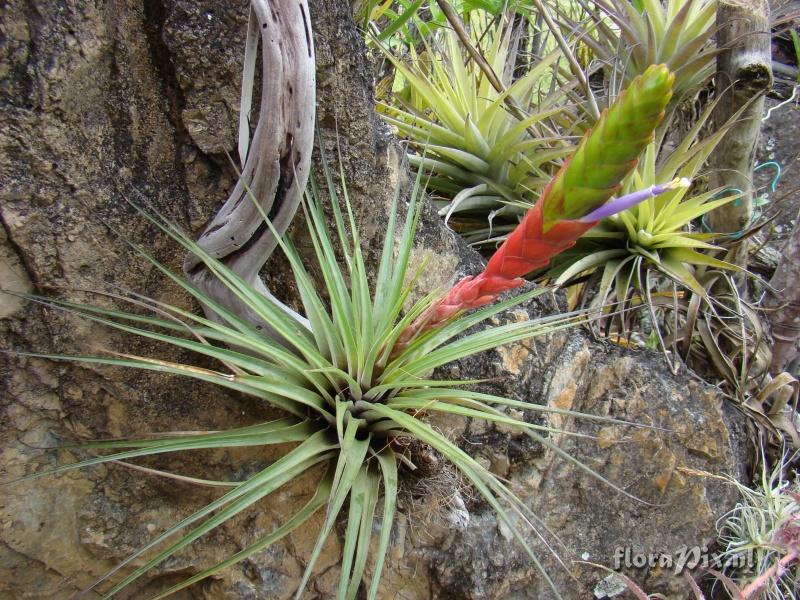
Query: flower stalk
(574, 201)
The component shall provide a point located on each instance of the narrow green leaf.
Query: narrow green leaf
(309, 451)
(399, 22)
(589, 262)
(388, 463)
(349, 464)
(318, 500)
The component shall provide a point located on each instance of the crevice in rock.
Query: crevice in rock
(155, 16)
(24, 259)
(120, 116)
(18, 87)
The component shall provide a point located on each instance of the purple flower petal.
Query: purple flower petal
(616, 205)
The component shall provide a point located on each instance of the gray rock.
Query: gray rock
(108, 101)
(672, 469)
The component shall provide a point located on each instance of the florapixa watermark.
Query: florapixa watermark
(684, 558)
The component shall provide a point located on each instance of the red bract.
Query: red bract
(584, 184)
(526, 249)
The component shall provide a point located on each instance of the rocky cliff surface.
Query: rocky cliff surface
(115, 100)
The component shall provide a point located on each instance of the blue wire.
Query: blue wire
(772, 186)
(771, 163)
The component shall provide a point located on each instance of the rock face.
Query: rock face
(667, 467)
(137, 99)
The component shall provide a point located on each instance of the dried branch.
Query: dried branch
(744, 76)
(277, 161)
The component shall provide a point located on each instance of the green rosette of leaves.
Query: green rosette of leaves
(349, 405)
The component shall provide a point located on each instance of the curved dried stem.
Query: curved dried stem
(276, 166)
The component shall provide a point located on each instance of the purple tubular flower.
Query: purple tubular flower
(616, 205)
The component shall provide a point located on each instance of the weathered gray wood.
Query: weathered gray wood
(743, 77)
(277, 166)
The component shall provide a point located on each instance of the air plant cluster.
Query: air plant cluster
(482, 160)
(627, 37)
(489, 164)
(354, 384)
(657, 253)
(576, 199)
(761, 536)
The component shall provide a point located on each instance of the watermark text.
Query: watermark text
(684, 558)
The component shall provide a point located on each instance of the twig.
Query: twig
(777, 570)
(458, 26)
(573, 62)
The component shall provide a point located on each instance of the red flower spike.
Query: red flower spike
(584, 184)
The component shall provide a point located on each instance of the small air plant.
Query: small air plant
(761, 537)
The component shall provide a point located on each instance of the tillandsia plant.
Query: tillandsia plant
(629, 256)
(761, 536)
(482, 160)
(627, 37)
(353, 385)
(574, 201)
